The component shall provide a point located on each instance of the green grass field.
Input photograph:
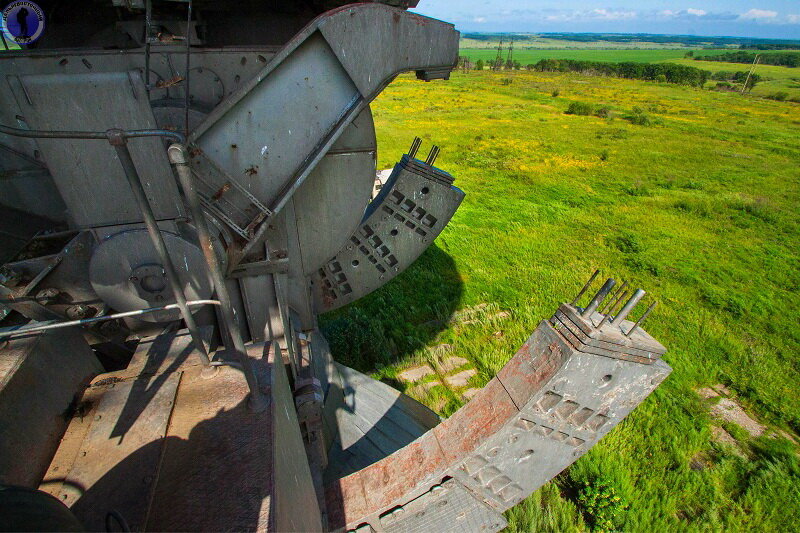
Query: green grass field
(775, 79)
(526, 42)
(532, 55)
(700, 208)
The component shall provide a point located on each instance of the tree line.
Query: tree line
(664, 72)
(788, 59)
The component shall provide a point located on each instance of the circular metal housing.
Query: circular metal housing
(127, 274)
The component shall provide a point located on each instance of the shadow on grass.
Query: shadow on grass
(401, 317)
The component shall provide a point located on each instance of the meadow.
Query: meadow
(774, 78)
(532, 55)
(698, 205)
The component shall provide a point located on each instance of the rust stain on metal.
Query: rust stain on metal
(222, 190)
(485, 414)
(164, 84)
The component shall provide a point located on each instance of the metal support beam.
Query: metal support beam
(120, 145)
(179, 157)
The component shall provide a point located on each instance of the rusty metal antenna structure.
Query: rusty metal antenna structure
(498, 60)
(186, 189)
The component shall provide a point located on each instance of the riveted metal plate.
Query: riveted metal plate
(446, 507)
(408, 214)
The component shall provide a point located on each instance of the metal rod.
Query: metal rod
(432, 155)
(234, 343)
(641, 319)
(612, 302)
(158, 242)
(415, 144)
(599, 297)
(585, 287)
(616, 299)
(92, 320)
(93, 135)
(628, 307)
(186, 76)
(148, 20)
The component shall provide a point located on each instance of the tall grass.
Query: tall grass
(700, 210)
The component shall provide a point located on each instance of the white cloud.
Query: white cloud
(479, 19)
(594, 14)
(756, 14)
(606, 14)
(793, 19)
(696, 12)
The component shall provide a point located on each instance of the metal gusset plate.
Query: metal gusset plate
(405, 218)
(272, 132)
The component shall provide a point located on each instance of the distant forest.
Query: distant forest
(665, 72)
(686, 40)
(788, 59)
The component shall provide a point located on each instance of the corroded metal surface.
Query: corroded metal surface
(413, 207)
(38, 377)
(541, 412)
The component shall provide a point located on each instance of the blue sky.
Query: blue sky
(742, 18)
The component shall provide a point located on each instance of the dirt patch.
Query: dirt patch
(707, 393)
(421, 389)
(729, 410)
(451, 363)
(460, 379)
(720, 435)
(415, 373)
(699, 462)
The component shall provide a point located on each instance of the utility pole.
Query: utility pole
(747, 80)
(510, 58)
(498, 60)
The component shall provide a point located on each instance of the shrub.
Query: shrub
(479, 65)
(640, 119)
(603, 112)
(671, 73)
(780, 96)
(555, 93)
(507, 81)
(579, 108)
(601, 505)
(604, 155)
(628, 243)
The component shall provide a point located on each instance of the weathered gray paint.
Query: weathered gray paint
(294, 497)
(39, 376)
(88, 169)
(411, 210)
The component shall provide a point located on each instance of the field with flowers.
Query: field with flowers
(689, 193)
